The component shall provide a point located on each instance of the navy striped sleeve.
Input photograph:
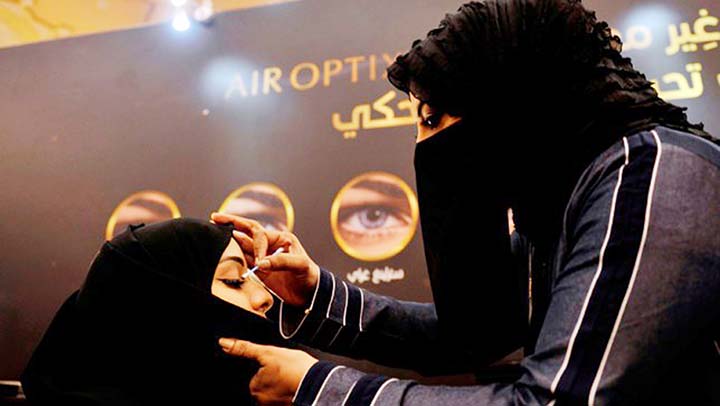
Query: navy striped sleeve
(313, 380)
(366, 390)
(581, 370)
(351, 318)
(327, 384)
(334, 319)
(302, 324)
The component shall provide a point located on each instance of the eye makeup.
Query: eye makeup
(232, 283)
(228, 272)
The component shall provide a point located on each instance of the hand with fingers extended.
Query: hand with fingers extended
(292, 275)
(281, 370)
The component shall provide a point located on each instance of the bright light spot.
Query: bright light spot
(205, 112)
(204, 12)
(178, 3)
(655, 16)
(220, 72)
(181, 22)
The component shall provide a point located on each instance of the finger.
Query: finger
(260, 245)
(277, 239)
(250, 227)
(245, 242)
(295, 245)
(292, 238)
(241, 223)
(243, 349)
(246, 245)
(284, 262)
(221, 218)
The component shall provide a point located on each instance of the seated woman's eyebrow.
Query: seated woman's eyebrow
(234, 258)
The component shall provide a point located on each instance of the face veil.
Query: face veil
(459, 222)
(143, 328)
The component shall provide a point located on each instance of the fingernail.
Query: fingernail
(226, 344)
(264, 264)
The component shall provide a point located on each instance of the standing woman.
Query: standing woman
(616, 194)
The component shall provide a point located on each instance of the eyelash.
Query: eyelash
(233, 283)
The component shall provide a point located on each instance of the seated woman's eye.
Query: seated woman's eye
(233, 283)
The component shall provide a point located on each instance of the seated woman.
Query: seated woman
(109, 342)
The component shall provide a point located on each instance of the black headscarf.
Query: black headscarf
(143, 328)
(547, 60)
(542, 90)
(541, 81)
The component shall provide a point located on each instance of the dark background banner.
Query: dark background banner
(293, 95)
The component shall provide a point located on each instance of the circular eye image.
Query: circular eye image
(147, 207)
(263, 202)
(374, 216)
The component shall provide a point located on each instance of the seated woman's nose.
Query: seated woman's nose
(260, 299)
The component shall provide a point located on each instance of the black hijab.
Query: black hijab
(143, 328)
(542, 90)
(541, 82)
(546, 60)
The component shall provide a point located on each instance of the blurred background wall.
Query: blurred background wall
(113, 112)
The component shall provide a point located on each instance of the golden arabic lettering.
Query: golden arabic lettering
(361, 116)
(684, 88)
(687, 40)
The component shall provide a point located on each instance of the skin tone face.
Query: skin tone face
(430, 121)
(229, 286)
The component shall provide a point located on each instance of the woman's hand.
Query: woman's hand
(281, 370)
(291, 275)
